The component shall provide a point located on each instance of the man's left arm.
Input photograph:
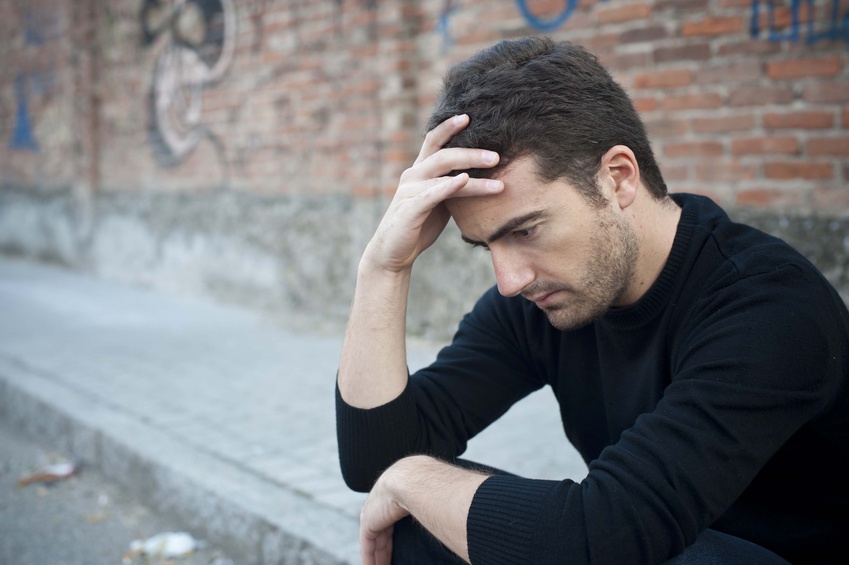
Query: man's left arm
(437, 494)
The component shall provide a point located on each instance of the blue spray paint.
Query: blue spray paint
(837, 29)
(22, 135)
(547, 24)
(444, 26)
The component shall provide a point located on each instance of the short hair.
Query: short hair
(552, 101)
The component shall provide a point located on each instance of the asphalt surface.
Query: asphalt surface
(81, 520)
(219, 416)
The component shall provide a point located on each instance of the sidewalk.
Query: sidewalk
(220, 415)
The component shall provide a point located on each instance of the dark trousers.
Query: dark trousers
(413, 545)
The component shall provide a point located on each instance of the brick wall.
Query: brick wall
(129, 129)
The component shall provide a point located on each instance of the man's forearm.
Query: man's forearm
(437, 494)
(373, 363)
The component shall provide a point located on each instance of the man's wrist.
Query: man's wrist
(369, 268)
(437, 494)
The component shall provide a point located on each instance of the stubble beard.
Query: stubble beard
(615, 247)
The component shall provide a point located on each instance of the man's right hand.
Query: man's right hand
(373, 364)
(417, 214)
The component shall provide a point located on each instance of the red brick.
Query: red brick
(764, 145)
(769, 197)
(835, 93)
(828, 146)
(623, 13)
(625, 61)
(724, 171)
(694, 149)
(760, 95)
(801, 68)
(681, 5)
(845, 118)
(799, 120)
(741, 71)
(663, 79)
(713, 26)
(599, 41)
(646, 104)
(666, 127)
(740, 122)
(577, 21)
(807, 170)
(643, 34)
(749, 47)
(692, 101)
(689, 52)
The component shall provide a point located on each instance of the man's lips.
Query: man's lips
(545, 299)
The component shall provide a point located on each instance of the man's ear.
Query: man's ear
(620, 174)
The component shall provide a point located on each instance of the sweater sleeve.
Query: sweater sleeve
(758, 361)
(473, 381)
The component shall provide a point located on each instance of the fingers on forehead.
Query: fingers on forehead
(460, 158)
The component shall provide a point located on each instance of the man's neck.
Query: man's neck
(656, 223)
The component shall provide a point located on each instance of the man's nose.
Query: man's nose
(512, 271)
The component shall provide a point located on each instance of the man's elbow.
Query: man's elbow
(358, 477)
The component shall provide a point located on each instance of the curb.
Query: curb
(242, 512)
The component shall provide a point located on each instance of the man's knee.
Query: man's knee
(716, 548)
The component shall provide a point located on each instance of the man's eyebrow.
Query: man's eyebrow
(511, 225)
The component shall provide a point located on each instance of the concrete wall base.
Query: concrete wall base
(294, 257)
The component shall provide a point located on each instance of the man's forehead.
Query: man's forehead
(482, 219)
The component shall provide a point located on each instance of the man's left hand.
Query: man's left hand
(437, 494)
(377, 520)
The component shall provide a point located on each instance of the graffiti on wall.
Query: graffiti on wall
(443, 27)
(450, 7)
(830, 26)
(200, 42)
(34, 85)
(22, 134)
(547, 24)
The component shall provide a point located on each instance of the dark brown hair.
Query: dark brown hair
(552, 101)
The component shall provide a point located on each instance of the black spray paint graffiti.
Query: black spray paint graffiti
(201, 41)
(835, 28)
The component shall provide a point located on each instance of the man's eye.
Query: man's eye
(525, 233)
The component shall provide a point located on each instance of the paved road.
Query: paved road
(222, 415)
(84, 520)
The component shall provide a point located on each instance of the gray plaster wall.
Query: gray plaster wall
(293, 257)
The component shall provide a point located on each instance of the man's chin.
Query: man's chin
(564, 320)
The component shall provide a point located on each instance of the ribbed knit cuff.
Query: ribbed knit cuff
(371, 440)
(504, 519)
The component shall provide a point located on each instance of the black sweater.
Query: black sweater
(720, 399)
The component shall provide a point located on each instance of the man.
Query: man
(701, 366)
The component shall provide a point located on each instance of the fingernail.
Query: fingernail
(489, 156)
(459, 119)
(493, 184)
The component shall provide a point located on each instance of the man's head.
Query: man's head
(552, 101)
